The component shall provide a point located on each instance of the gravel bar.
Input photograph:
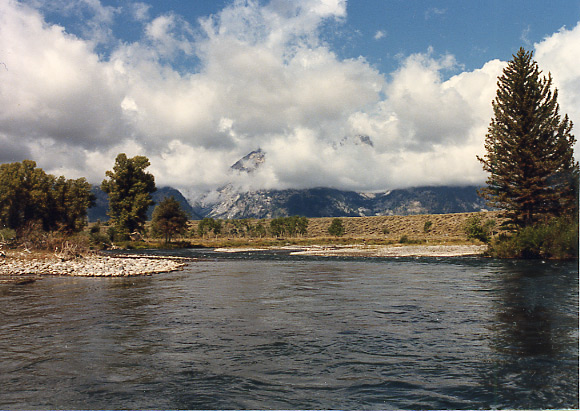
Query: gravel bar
(91, 266)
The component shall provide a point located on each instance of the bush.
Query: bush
(7, 236)
(336, 228)
(556, 239)
(427, 226)
(66, 246)
(97, 239)
(32, 236)
(475, 230)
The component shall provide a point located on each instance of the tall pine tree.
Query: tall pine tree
(530, 156)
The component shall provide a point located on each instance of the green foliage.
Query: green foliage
(530, 159)
(557, 239)
(336, 228)
(246, 228)
(71, 199)
(97, 238)
(168, 219)
(406, 240)
(289, 226)
(7, 236)
(28, 194)
(129, 188)
(427, 226)
(209, 224)
(475, 229)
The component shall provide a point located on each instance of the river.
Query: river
(270, 330)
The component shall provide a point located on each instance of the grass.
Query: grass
(379, 230)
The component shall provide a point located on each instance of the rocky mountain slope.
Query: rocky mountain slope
(328, 202)
(232, 203)
(228, 202)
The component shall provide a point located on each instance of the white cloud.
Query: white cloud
(434, 12)
(263, 78)
(53, 85)
(557, 55)
(380, 34)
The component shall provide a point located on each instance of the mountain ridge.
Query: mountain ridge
(329, 202)
(230, 202)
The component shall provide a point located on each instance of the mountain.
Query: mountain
(99, 211)
(250, 162)
(229, 202)
(328, 202)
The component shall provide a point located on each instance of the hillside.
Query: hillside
(99, 211)
(444, 228)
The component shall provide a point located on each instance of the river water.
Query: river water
(268, 330)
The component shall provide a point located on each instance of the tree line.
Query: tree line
(28, 195)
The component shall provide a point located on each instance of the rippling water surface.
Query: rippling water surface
(273, 331)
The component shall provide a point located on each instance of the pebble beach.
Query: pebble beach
(89, 266)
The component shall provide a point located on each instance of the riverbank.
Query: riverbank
(17, 265)
(362, 250)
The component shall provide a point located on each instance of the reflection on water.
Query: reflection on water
(534, 331)
(274, 331)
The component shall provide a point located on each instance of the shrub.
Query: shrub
(7, 236)
(427, 226)
(406, 240)
(31, 235)
(97, 239)
(557, 239)
(336, 228)
(474, 229)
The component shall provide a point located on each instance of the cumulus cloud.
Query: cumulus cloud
(379, 34)
(556, 54)
(257, 75)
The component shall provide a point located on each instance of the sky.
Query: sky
(196, 85)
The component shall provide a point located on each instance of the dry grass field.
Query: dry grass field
(444, 229)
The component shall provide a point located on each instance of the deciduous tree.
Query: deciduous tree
(129, 188)
(28, 194)
(169, 219)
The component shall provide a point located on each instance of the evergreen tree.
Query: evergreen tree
(169, 219)
(530, 157)
(129, 188)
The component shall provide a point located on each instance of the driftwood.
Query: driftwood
(67, 252)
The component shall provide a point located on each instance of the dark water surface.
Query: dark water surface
(272, 331)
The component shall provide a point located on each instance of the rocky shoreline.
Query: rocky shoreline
(23, 268)
(361, 250)
(89, 266)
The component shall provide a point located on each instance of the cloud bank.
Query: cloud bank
(194, 97)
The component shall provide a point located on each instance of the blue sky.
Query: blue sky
(196, 85)
(384, 31)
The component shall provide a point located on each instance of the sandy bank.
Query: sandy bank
(91, 266)
(397, 251)
(376, 250)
